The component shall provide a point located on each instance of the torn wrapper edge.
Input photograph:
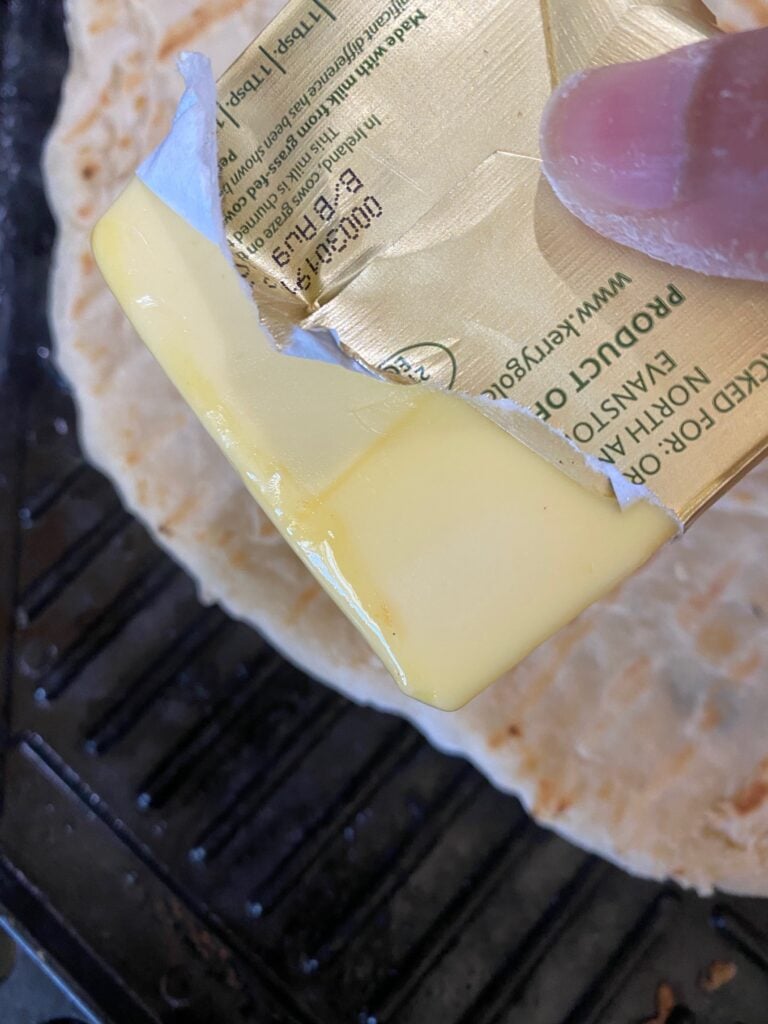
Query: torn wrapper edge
(194, 196)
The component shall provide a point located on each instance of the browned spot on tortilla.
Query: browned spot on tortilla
(751, 798)
(88, 120)
(140, 103)
(631, 681)
(125, 142)
(186, 30)
(142, 492)
(711, 716)
(563, 646)
(753, 795)
(302, 602)
(748, 666)
(267, 528)
(666, 1001)
(79, 307)
(550, 801)
(718, 974)
(182, 512)
(511, 732)
(132, 458)
(100, 386)
(103, 24)
(545, 796)
(89, 171)
(667, 772)
(529, 763)
(87, 263)
(717, 641)
(85, 212)
(360, 656)
(85, 122)
(132, 81)
(700, 603)
(241, 558)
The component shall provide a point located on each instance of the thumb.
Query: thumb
(670, 156)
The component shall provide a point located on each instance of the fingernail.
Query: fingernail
(616, 138)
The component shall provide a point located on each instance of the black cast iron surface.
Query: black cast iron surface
(192, 831)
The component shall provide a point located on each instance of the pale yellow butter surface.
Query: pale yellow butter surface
(453, 548)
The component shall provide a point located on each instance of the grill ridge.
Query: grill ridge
(506, 988)
(44, 590)
(140, 695)
(598, 997)
(54, 491)
(456, 916)
(392, 757)
(742, 934)
(51, 761)
(23, 900)
(209, 738)
(222, 832)
(362, 905)
(137, 595)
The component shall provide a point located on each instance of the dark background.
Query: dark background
(192, 831)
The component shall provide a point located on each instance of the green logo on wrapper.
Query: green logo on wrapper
(417, 364)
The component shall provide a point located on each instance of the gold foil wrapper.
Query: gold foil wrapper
(380, 178)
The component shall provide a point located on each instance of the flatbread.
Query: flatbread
(735, 15)
(638, 732)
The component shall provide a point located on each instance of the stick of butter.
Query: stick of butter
(453, 548)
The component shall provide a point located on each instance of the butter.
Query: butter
(452, 547)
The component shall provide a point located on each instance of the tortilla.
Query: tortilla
(638, 732)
